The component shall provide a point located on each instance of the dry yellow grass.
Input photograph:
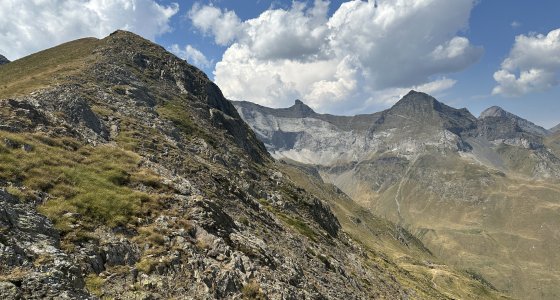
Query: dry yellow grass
(46, 68)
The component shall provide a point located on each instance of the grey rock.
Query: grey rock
(9, 291)
(3, 60)
(29, 236)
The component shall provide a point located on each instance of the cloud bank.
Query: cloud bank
(191, 55)
(360, 56)
(533, 65)
(30, 26)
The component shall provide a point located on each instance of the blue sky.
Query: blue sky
(492, 25)
(341, 57)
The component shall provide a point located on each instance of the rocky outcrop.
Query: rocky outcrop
(33, 265)
(3, 60)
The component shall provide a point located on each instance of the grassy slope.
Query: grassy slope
(89, 185)
(505, 228)
(45, 68)
(385, 239)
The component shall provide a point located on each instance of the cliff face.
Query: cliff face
(471, 189)
(124, 173)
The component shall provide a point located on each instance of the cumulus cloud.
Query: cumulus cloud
(533, 65)
(30, 26)
(223, 25)
(343, 60)
(191, 55)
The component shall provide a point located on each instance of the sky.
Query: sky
(339, 57)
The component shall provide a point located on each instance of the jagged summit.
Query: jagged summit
(3, 60)
(300, 109)
(297, 110)
(555, 128)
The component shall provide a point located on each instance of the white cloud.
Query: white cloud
(29, 26)
(533, 65)
(515, 24)
(359, 52)
(211, 20)
(191, 55)
(392, 95)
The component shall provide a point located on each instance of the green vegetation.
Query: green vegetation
(299, 226)
(294, 222)
(45, 68)
(177, 111)
(94, 284)
(252, 290)
(93, 185)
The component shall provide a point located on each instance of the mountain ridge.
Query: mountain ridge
(471, 189)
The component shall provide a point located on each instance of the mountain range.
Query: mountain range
(126, 174)
(480, 193)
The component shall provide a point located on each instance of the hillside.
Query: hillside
(125, 173)
(480, 193)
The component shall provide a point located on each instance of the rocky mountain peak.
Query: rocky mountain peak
(300, 109)
(498, 118)
(3, 60)
(494, 111)
(555, 128)
(417, 99)
(420, 107)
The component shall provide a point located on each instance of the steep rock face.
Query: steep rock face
(498, 125)
(555, 129)
(455, 181)
(124, 173)
(3, 60)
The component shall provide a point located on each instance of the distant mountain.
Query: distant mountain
(555, 128)
(502, 118)
(3, 60)
(474, 190)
